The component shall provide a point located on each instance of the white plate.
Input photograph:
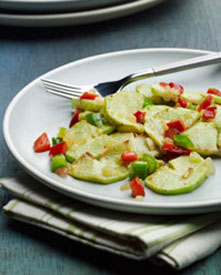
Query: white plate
(75, 18)
(34, 111)
(56, 5)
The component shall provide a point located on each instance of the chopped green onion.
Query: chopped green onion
(183, 141)
(58, 161)
(94, 119)
(56, 140)
(147, 102)
(138, 169)
(152, 162)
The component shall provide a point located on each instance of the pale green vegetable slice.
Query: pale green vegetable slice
(107, 169)
(120, 109)
(166, 93)
(130, 128)
(139, 144)
(106, 129)
(92, 105)
(194, 97)
(158, 116)
(146, 91)
(182, 176)
(88, 105)
(113, 152)
(120, 143)
(204, 136)
(79, 134)
(152, 110)
(121, 137)
(90, 169)
(95, 146)
(172, 94)
(189, 117)
(168, 182)
(98, 145)
(219, 140)
(181, 164)
(211, 170)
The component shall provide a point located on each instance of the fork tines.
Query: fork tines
(62, 89)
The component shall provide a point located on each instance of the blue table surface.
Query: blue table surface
(27, 53)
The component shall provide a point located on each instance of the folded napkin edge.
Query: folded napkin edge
(41, 224)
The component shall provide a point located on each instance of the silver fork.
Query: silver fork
(106, 88)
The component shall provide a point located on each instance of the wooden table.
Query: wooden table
(27, 53)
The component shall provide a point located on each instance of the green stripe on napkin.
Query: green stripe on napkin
(134, 236)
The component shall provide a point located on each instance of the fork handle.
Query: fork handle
(182, 65)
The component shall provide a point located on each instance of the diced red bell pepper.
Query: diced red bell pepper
(163, 84)
(206, 103)
(175, 128)
(75, 118)
(140, 116)
(171, 155)
(209, 113)
(178, 124)
(172, 85)
(137, 187)
(177, 87)
(183, 103)
(129, 156)
(42, 143)
(171, 132)
(58, 149)
(213, 91)
(180, 151)
(90, 96)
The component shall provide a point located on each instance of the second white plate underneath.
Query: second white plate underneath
(57, 5)
(75, 18)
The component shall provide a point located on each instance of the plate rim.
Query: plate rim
(77, 17)
(68, 190)
(53, 5)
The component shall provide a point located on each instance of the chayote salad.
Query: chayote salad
(159, 135)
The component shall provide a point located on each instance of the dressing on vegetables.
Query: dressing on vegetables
(156, 136)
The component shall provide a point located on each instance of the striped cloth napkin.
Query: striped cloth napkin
(176, 241)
